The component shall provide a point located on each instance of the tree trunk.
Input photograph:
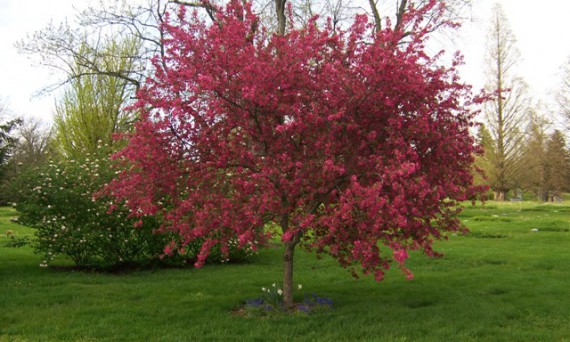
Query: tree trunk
(288, 261)
(377, 18)
(281, 18)
(500, 195)
(288, 274)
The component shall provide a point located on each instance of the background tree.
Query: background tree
(32, 147)
(90, 111)
(7, 138)
(534, 160)
(563, 95)
(506, 115)
(483, 161)
(312, 129)
(545, 161)
(30, 150)
(557, 164)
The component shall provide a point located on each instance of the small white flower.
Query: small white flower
(300, 286)
(273, 285)
(263, 289)
(279, 292)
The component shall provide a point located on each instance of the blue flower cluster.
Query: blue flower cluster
(311, 303)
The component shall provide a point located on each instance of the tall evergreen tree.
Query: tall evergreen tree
(557, 164)
(483, 162)
(7, 139)
(533, 175)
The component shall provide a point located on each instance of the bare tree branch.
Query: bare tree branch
(210, 9)
(377, 19)
(400, 14)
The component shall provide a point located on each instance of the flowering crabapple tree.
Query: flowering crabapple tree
(354, 142)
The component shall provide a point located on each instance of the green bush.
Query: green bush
(58, 200)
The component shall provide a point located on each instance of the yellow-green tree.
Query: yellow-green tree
(91, 109)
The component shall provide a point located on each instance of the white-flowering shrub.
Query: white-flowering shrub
(58, 199)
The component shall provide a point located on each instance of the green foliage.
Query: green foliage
(58, 200)
(7, 142)
(16, 241)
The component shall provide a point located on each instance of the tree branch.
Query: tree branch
(377, 19)
(400, 14)
(205, 4)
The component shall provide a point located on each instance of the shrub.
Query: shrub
(58, 200)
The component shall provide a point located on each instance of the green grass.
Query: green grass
(501, 282)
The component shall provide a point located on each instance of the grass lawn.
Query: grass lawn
(502, 282)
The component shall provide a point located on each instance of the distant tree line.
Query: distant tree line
(524, 144)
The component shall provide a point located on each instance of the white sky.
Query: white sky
(19, 80)
(541, 29)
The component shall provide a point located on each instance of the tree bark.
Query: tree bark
(288, 255)
(400, 15)
(288, 274)
(281, 18)
(377, 19)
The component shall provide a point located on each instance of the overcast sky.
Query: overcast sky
(541, 29)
